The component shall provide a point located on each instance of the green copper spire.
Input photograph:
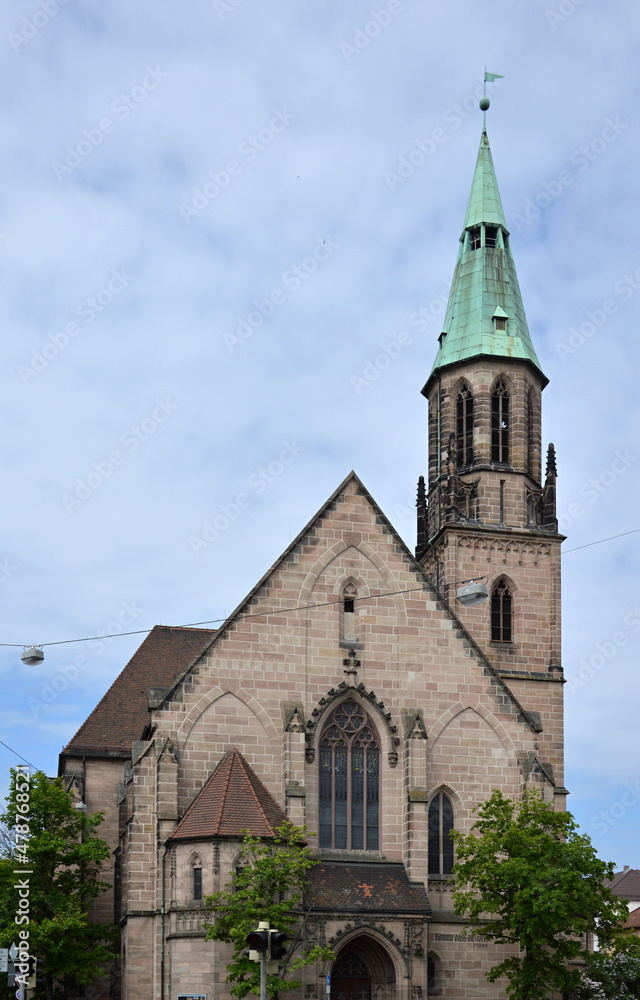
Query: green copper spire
(485, 315)
(484, 201)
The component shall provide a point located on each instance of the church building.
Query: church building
(373, 693)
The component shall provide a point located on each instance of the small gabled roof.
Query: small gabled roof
(625, 884)
(122, 713)
(232, 801)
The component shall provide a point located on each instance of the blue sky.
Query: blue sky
(218, 222)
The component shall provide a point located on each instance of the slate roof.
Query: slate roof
(122, 714)
(379, 887)
(231, 801)
(625, 884)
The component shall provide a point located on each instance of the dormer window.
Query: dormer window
(500, 320)
(475, 239)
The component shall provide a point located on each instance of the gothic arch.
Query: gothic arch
(328, 556)
(368, 700)
(365, 938)
(349, 780)
(214, 694)
(314, 571)
(476, 706)
(344, 579)
(509, 382)
(502, 609)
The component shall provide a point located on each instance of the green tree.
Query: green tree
(48, 885)
(525, 877)
(271, 884)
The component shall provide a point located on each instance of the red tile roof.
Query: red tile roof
(380, 887)
(122, 714)
(633, 920)
(232, 800)
(625, 884)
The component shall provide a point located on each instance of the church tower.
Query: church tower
(488, 512)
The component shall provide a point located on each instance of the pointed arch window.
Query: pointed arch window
(464, 426)
(434, 975)
(196, 877)
(500, 424)
(440, 842)
(349, 595)
(349, 780)
(529, 432)
(501, 613)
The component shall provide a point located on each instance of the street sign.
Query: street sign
(327, 979)
(4, 959)
(13, 952)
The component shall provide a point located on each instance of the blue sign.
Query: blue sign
(328, 978)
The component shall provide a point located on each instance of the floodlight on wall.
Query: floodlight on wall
(32, 655)
(472, 593)
(80, 806)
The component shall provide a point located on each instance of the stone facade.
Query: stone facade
(349, 621)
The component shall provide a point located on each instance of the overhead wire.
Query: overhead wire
(262, 614)
(276, 611)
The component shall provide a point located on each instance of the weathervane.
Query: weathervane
(485, 103)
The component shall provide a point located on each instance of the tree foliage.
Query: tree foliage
(611, 976)
(526, 877)
(48, 885)
(271, 884)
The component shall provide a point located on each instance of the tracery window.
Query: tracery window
(349, 780)
(440, 842)
(500, 423)
(464, 426)
(501, 613)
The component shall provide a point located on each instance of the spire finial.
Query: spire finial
(485, 103)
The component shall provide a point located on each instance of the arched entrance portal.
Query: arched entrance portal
(363, 970)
